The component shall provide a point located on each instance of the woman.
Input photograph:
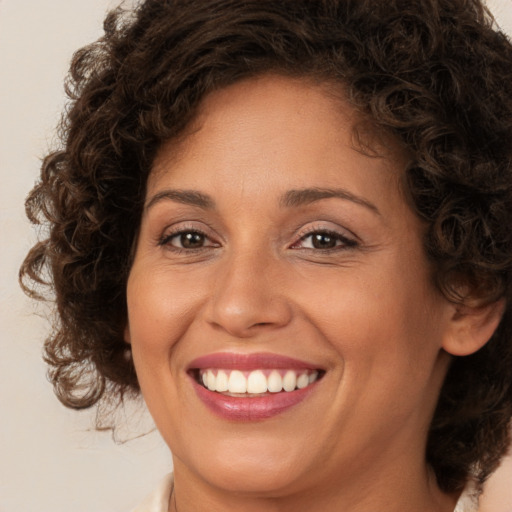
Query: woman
(286, 224)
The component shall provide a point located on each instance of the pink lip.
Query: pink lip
(248, 362)
(246, 409)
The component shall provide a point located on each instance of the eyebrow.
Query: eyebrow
(190, 197)
(294, 198)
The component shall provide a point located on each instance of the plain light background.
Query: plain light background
(51, 459)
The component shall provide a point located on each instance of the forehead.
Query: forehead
(282, 105)
(277, 133)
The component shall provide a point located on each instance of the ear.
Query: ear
(471, 327)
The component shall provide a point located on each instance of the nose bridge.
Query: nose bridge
(248, 294)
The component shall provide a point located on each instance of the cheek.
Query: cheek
(159, 308)
(159, 313)
(386, 317)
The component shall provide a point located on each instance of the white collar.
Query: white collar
(158, 500)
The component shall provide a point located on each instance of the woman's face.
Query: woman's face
(275, 254)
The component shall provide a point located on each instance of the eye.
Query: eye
(190, 240)
(324, 240)
(187, 240)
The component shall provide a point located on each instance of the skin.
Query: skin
(365, 310)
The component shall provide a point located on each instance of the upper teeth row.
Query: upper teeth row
(257, 381)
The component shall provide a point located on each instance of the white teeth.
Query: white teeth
(303, 381)
(289, 381)
(222, 381)
(275, 382)
(256, 382)
(237, 382)
(210, 380)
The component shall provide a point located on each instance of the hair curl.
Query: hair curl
(435, 73)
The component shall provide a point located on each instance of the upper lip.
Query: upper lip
(249, 362)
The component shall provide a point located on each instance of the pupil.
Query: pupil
(192, 240)
(323, 241)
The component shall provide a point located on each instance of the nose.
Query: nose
(249, 297)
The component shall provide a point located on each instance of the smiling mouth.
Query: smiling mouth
(255, 383)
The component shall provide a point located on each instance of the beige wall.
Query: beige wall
(49, 458)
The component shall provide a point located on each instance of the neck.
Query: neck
(393, 493)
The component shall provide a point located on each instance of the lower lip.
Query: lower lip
(251, 408)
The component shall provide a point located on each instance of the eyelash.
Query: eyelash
(345, 242)
(166, 239)
(342, 242)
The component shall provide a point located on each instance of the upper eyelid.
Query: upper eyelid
(340, 231)
(189, 225)
(212, 234)
(326, 231)
(345, 240)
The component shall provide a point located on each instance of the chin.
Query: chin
(261, 468)
(250, 477)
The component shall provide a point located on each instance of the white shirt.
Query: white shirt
(158, 501)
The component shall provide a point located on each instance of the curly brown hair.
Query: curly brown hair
(437, 74)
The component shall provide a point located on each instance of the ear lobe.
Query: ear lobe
(471, 327)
